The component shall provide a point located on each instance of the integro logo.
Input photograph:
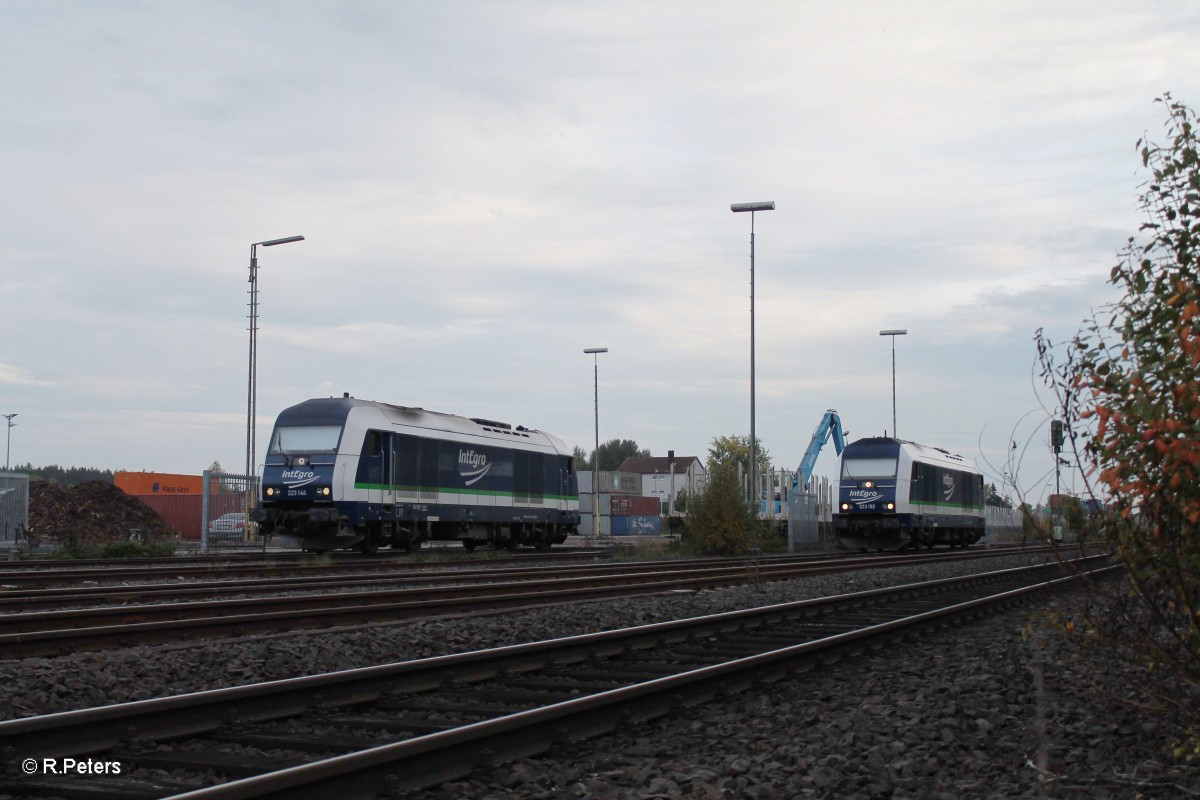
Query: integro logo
(863, 496)
(295, 478)
(948, 486)
(472, 466)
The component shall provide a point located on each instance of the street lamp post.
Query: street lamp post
(894, 333)
(767, 205)
(252, 388)
(8, 444)
(595, 352)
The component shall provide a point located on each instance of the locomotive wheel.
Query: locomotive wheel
(369, 545)
(468, 545)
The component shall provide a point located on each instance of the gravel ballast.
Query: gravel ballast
(1001, 708)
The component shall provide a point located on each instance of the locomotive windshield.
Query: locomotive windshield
(858, 468)
(306, 439)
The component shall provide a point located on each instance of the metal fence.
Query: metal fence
(809, 515)
(14, 508)
(1002, 524)
(225, 512)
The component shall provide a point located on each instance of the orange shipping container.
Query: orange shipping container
(158, 483)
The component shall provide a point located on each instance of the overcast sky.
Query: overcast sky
(488, 188)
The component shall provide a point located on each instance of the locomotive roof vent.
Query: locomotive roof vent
(492, 423)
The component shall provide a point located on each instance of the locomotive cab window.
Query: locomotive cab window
(306, 439)
(859, 468)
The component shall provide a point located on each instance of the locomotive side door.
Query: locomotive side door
(389, 469)
(372, 468)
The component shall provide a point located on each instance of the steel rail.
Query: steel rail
(57, 573)
(452, 551)
(52, 575)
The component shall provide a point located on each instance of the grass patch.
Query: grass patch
(119, 550)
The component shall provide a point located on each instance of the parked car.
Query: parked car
(232, 523)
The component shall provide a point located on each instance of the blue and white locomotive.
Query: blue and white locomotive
(342, 472)
(895, 495)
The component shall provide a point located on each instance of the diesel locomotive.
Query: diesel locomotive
(349, 473)
(896, 495)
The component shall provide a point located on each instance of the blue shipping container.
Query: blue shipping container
(635, 525)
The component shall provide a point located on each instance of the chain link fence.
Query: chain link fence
(14, 509)
(225, 513)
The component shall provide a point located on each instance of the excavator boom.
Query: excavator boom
(830, 425)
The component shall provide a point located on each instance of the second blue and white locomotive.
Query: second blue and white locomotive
(894, 494)
(342, 472)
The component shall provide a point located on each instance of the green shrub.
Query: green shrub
(720, 522)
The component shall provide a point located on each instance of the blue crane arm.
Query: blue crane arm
(830, 425)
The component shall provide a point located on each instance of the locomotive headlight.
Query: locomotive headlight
(845, 506)
(891, 506)
(868, 484)
(270, 491)
(324, 491)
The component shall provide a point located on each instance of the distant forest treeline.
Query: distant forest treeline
(65, 476)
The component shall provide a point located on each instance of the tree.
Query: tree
(612, 454)
(734, 450)
(1129, 389)
(582, 459)
(66, 476)
(994, 498)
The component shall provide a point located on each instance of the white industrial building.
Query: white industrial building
(661, 480)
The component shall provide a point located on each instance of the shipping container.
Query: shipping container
(158, 483)
(635, 525)
(181, 512)
(623, 505)
(616, 482)
(585, 525)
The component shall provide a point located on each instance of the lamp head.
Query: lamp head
(285, 240)
(766, 205)
(593, 350)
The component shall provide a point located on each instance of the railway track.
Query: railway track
(32, 574)
(53, 573)
(415, 724)
(50, 632)
(24, 598)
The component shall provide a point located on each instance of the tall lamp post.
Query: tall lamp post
(767, 205)
(8, 445)
(595, 352)
(252, 388)
(894, 333)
